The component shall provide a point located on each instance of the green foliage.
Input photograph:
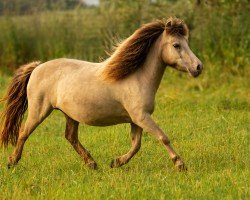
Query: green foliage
(219, 31)
(223, 36)
(29, 7)
(44, 37)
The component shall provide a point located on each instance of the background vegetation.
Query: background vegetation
(219, 29)
(207, 118)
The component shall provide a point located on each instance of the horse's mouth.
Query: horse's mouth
(193, 73)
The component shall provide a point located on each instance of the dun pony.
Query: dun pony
(121, 89)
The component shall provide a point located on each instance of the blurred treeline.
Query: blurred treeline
(46, 29)
(21, 7)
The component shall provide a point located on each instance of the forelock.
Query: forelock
(176, 27)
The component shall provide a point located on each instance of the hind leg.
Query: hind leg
(136, 133)
(36, 115)
(71, 134)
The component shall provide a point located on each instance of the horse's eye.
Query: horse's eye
(177, 46)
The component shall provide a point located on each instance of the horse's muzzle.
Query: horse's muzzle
(197, 71)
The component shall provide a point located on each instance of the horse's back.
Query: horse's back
(47, 75)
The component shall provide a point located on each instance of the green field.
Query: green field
(207, 120)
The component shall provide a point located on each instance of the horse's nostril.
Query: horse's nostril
(198, 68)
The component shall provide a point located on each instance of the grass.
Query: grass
(207, 120)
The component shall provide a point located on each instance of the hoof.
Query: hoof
(11, 163)
(179, 164)
(115, 163)
(181, 167)
(92, 165)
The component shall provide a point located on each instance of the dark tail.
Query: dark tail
(16, 104)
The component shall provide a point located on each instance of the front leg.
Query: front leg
(146, 122)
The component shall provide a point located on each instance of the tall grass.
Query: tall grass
(50, 35)
(219, 32)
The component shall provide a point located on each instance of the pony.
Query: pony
(120, 89)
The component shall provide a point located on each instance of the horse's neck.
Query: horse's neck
(153, 69)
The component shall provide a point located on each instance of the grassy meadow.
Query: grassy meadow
(207, 118)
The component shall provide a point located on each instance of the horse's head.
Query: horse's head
(175, 50)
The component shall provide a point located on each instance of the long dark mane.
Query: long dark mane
(131, 54)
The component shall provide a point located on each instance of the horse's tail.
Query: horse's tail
(16, 104)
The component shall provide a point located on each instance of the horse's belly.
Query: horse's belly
(96, 114)
(103, 119)
(106, 121)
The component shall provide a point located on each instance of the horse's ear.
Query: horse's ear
(169, 23)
